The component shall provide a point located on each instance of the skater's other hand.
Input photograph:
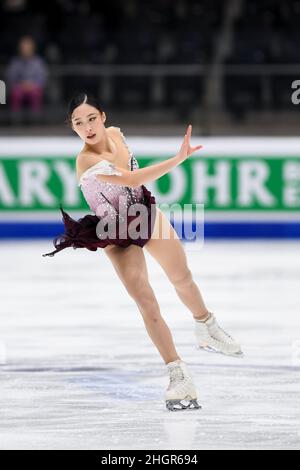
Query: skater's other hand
(186, 150)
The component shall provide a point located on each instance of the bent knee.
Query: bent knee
(136, 285)
(182, 279)
(130, 275)
(152, 320)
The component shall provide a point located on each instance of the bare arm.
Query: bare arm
(140, 176)
(153, 172)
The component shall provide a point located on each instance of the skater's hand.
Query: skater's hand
(186, 150)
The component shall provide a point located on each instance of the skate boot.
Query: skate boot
(181, 392)
(211, 337)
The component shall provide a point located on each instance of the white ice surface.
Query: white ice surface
(80, 372)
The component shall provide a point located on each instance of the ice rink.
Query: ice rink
(78, 370)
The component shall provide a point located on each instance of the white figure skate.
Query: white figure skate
(181, 392)
(212, 338)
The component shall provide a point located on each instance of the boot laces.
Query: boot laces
(223, 331)
(176, 375)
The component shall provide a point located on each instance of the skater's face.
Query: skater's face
(88, 123)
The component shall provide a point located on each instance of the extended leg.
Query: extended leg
(170, 254)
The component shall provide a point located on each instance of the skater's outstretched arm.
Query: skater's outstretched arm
(144, 175)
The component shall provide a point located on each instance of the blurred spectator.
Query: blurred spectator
(14, 6)
(26, 77)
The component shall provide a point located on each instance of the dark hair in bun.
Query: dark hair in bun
(77, 100)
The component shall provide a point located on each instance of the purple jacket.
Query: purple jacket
(33, 69)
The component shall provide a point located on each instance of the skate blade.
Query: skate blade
(179, 405)
(238, 354)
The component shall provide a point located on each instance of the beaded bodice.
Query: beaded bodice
(100, 195)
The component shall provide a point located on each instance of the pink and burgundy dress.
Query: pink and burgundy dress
(115, 222)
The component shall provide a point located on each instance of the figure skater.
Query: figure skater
(107, 171)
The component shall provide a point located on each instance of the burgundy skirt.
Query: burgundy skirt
(82, 233)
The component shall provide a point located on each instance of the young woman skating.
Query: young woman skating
(112, 184)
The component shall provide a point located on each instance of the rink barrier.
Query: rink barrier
(250, 187)
(212, 230)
